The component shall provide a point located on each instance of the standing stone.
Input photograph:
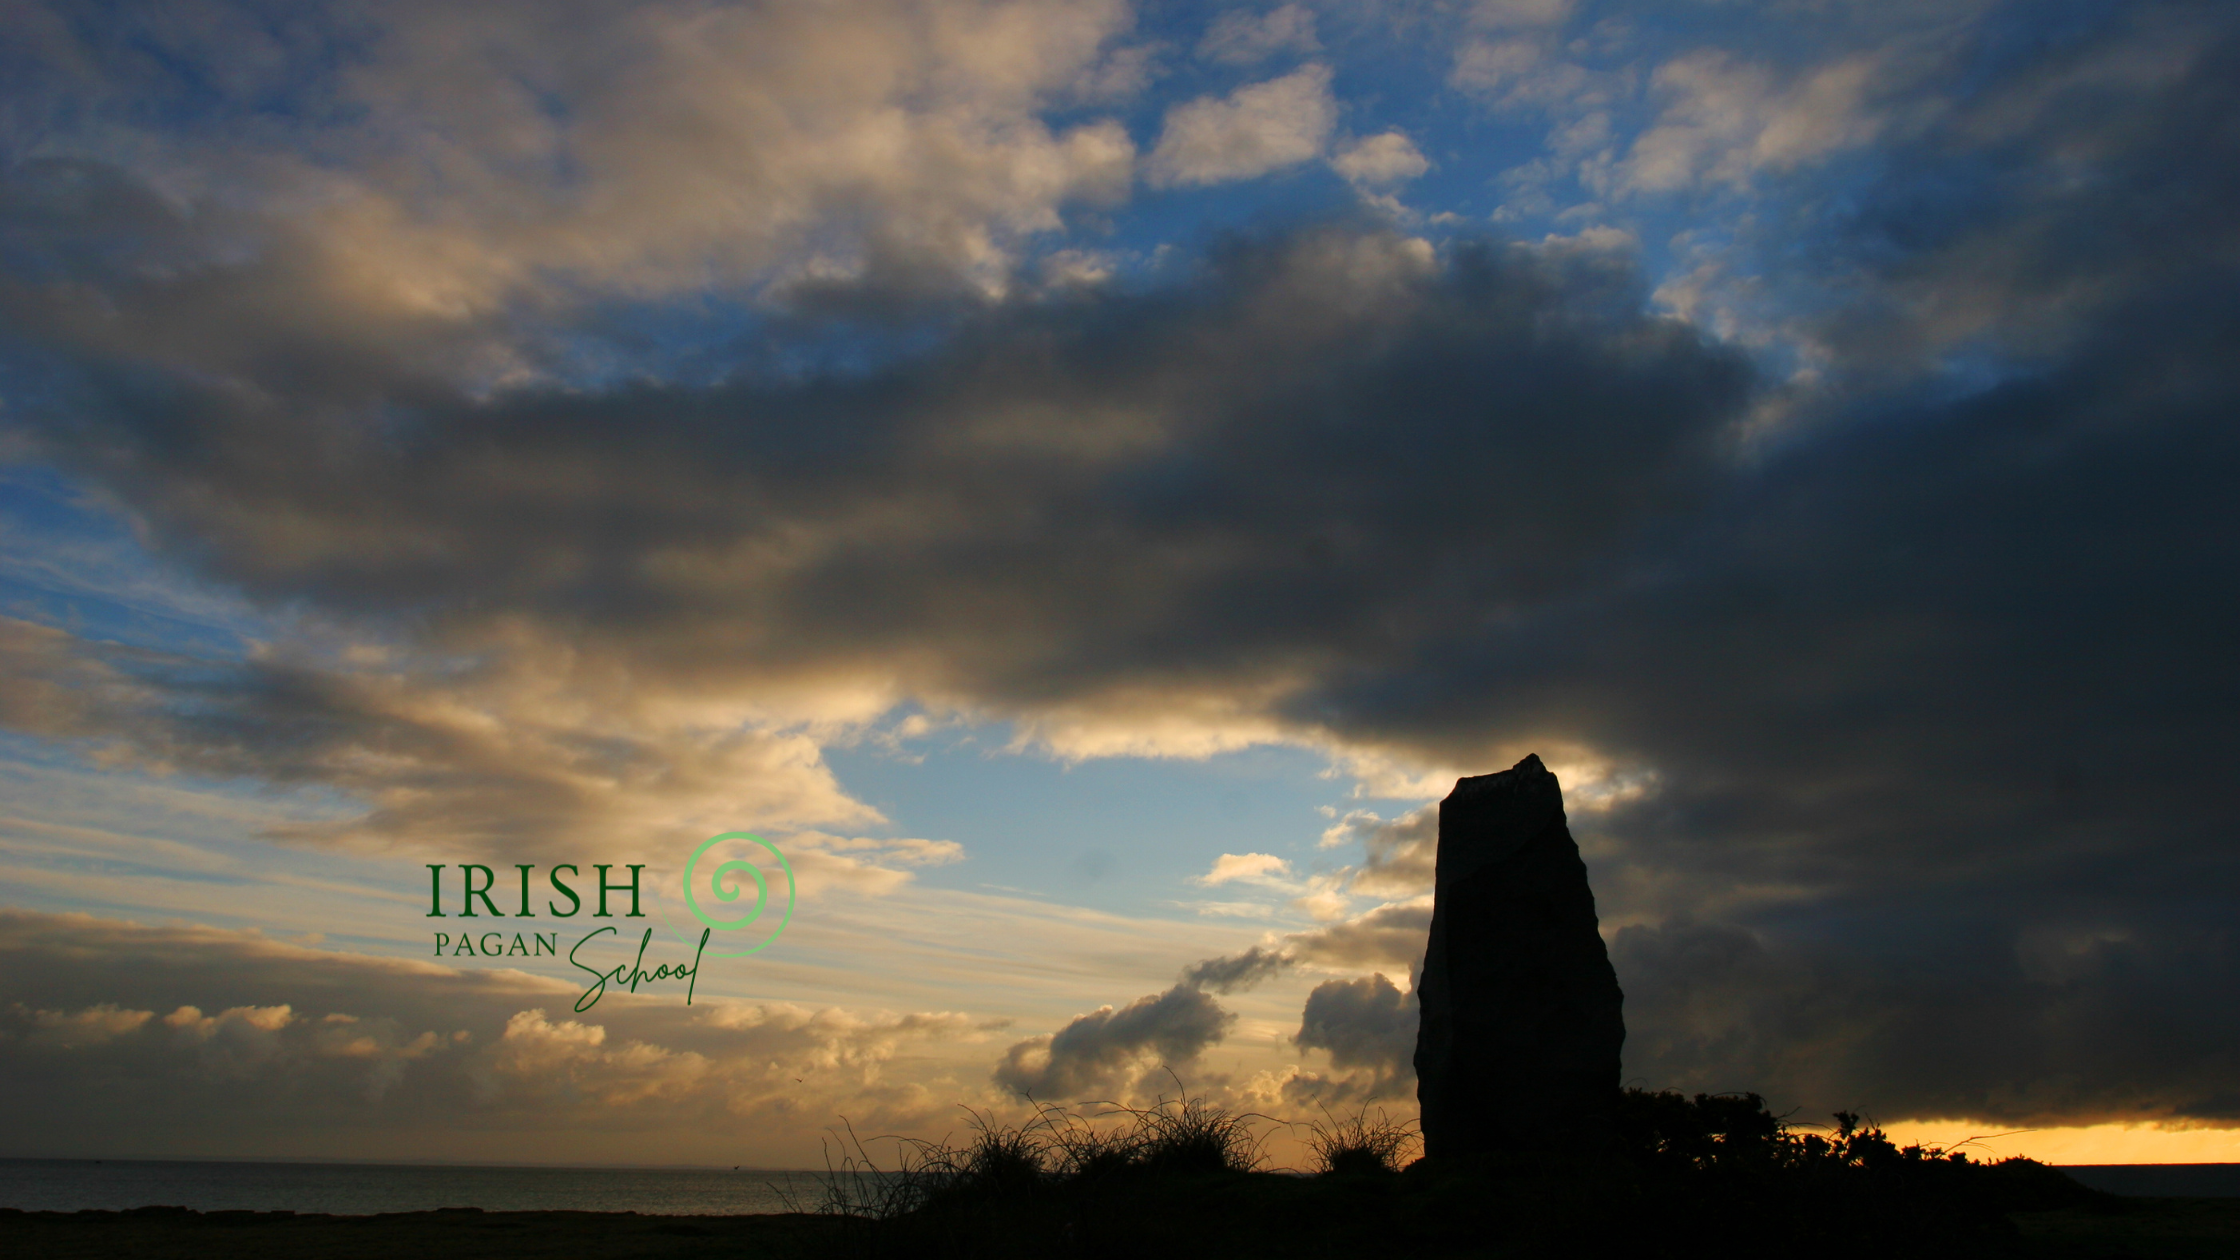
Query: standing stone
(1522, 1017)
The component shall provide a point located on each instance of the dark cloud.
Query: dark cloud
(1938, 694)
(1232, 972)
(1364, 1023)
(1387, 936)
(1159, 525)
(1101, 468)
(2025, 1022)
(2087, 175)
(1109, 1049)
(1399, 856)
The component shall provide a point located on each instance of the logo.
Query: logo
(732, 891)
(730, 861)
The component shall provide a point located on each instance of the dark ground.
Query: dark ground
(2177, 1229)
(453, 1234)
(2167, 1229)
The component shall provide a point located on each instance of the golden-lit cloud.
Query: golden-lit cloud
(403, 1045)
(1244, 866)
(470, 160)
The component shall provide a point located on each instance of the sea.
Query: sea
(71, 1185)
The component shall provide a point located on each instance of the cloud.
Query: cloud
(49, 688)
(1483, 67)
(1363, 1023)
(442, 164)
(1895, 758)
(862, 864)
(2003, 267)
(1256, 129)
(1240, 37)
(1240, 971)
(1318, 895)
(1110, 1049)
(1500, 14)
(1727, 120)
(370, 1052)
(1401, 854)
(541, 1061)
(1720, 119)
(638, 633)
(69, 1030)
(1233, 909)
(1380, 161)
(1324, 899)
(1390, 935)
(514, 760)
(237, 1045)
(1247, 866)
(1531, 72)
(1978, 1020)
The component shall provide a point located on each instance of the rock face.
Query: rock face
(1522, 1017)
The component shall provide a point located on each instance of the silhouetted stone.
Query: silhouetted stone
(1522, 1017)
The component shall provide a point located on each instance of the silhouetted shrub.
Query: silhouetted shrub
(1188, 1135)
(1687, 1176)
(1082, 1152)
(1719, 1166)
(1359, 1144)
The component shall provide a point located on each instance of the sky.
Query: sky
(1080, 480)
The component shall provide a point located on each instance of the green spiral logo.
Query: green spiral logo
(726, 883)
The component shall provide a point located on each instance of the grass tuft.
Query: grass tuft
(1360, 1144)
(1189, 1135)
